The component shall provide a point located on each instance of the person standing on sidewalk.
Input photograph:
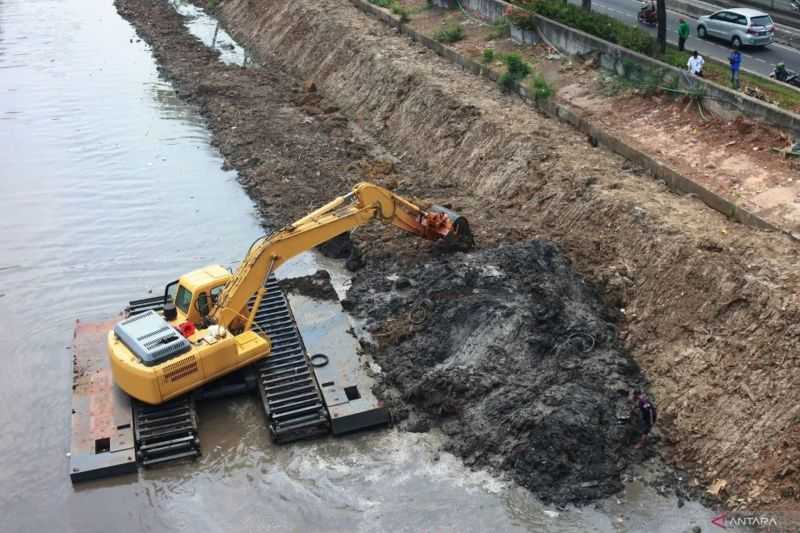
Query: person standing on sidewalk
(735, 59)
(683, 33)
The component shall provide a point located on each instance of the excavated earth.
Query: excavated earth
(705, 307)
(514, 357)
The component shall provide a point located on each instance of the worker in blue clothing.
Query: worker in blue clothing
(735, 59)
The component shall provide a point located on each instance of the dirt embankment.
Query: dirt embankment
(706, 307)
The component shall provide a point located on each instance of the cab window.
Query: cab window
(202, 304)
(215, 292)
(183, 299)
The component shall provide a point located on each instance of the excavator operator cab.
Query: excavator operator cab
(196, 293)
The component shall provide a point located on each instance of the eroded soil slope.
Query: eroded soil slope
(706, 307)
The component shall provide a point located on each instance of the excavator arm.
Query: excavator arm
(155, 358)
(365, 203)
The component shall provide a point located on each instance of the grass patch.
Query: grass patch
(488, 55)
(211, 5)
(401, 12)
(451, 33)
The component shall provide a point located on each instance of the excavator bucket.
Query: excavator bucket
(448, 228)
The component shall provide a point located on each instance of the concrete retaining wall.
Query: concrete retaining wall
(622, 60)
(674, 180)
(490, 10)
(518, 35)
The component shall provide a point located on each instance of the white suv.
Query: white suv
(738, 27)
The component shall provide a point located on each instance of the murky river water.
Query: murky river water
(110, 189)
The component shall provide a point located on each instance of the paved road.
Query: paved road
(760, 60)
(766, 5)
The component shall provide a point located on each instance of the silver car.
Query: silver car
(738, 27)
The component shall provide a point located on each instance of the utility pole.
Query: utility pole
(661, 18)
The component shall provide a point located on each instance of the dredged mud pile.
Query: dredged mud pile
(514, 357)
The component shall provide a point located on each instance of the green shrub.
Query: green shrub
(501, 28)
(539, 88)
(382, 3)
(506, 82)
(402, 12)
(517, 68)
(601, 26)
(450, 33)
(211, 5)
(488, 55)
(523, 20)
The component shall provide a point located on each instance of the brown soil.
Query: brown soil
(478, 36)
(733, 158)
(708, 308)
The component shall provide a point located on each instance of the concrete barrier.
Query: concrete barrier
(674, 180)
(518, 35)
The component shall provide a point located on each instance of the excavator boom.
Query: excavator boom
(364, 203)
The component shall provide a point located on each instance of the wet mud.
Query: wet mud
(515, 358)
(317, 286)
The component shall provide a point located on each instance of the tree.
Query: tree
(586, 4)
(661, 19)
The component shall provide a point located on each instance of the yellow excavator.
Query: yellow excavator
(206, 329)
